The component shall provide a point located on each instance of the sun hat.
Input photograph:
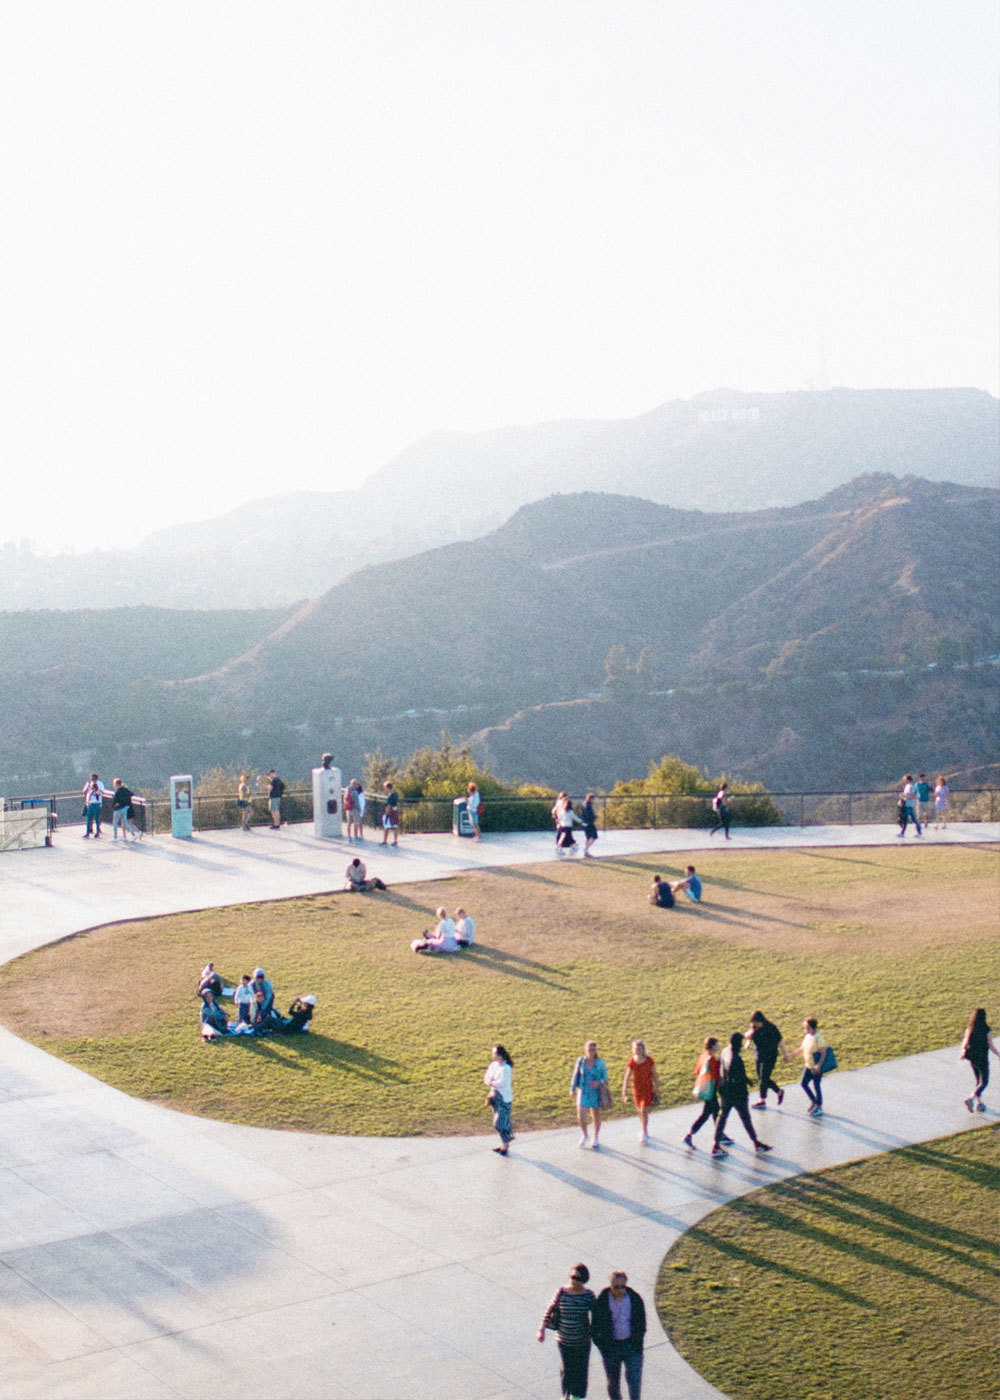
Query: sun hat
(310, 1000)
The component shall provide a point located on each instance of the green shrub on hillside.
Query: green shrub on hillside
(677, 794)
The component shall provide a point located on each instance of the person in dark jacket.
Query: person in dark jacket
(618, 1329)
(299, 1015)
(767, 1042)
(734, 1090)
(213, 1019)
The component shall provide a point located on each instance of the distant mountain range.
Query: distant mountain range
(823, 643)
(722, 451)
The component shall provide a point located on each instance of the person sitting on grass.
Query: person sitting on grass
(661, 894)
(210, 980)
(357, 878)
(691, 885)
(213, 1020)
(263, 995)
(299, 1015)
(465, 929)
(442, 940)
(243, 1000)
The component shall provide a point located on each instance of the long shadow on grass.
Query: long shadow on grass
(324, 1050)
(774, 1218)
(978, 1172)
(513, 966)
(771, 1266)
(853, 1207)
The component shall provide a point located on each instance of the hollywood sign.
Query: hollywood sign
(729, 415)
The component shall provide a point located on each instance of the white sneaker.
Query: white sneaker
(584, 1141)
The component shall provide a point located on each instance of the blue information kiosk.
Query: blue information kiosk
(182, 806)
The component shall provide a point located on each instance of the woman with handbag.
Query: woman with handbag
(589, 1086)
(706, 1089)
(641, 1070)
(499, 1081)
(813, 1051)
(569, 1316)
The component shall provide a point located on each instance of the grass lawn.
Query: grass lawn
(891, 949)
(875, 1281)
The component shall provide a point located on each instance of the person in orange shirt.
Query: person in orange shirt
(641, 1071)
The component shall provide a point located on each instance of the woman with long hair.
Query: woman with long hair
(589, 1074)
(499, 1081)
(976, 1046)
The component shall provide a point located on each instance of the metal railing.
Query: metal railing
(219, 812)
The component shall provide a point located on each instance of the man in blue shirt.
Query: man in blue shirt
(691, 885)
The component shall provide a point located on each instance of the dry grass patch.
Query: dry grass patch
(889, 947)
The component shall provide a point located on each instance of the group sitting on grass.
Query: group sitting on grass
(663, 893)
(449, 935)
(253, 1003)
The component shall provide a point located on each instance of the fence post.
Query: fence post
(656, 812)
(802, 809)
(850, 809)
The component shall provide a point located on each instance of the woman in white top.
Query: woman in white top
(499, 1080)
(812, 1050)
(442, 940)
(940, 804)
(473, 802)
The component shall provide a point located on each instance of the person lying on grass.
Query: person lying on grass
(442, 940)
(357, 878)
(299, 1015)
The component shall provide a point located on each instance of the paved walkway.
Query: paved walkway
(147, 1254)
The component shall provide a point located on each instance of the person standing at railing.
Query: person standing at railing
(390, 817)
(275, 792)
(94, 793)
(122, 813)
(244, 802)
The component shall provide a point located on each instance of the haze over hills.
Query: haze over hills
(588, 634)
(721, 451)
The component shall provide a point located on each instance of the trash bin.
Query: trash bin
(461, 822)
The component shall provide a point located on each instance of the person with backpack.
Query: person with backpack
(660, 894)
(720, 806)
(734, 1091)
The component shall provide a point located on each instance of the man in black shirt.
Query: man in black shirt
(275, 790)
(767, 1043)
(734, 1089)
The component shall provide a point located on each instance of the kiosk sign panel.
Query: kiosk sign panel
(182, 806)
(326, 783)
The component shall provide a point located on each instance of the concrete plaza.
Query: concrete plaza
(145, 1253)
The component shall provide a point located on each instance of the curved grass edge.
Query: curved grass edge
(876, 1280)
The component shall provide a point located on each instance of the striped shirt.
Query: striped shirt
(574, 1310)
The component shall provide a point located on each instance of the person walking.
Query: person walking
(244, 802)
(734, 1090)
(767, 1044)
(473, 805)
(619, 1329)
(590, 1073)
(588, 815)
(641, 1073)
(121, 812)
(94, 793)
(569, 1316)
(500, 1085)
(941, 804)
(976, 1046)
(706, 1088)
(908, 805)
(813, 1052)
(720, 806)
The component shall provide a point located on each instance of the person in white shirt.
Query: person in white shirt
(442, 940)
(465, 929)
(500, 1082)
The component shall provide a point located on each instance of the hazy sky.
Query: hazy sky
(248, 248)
